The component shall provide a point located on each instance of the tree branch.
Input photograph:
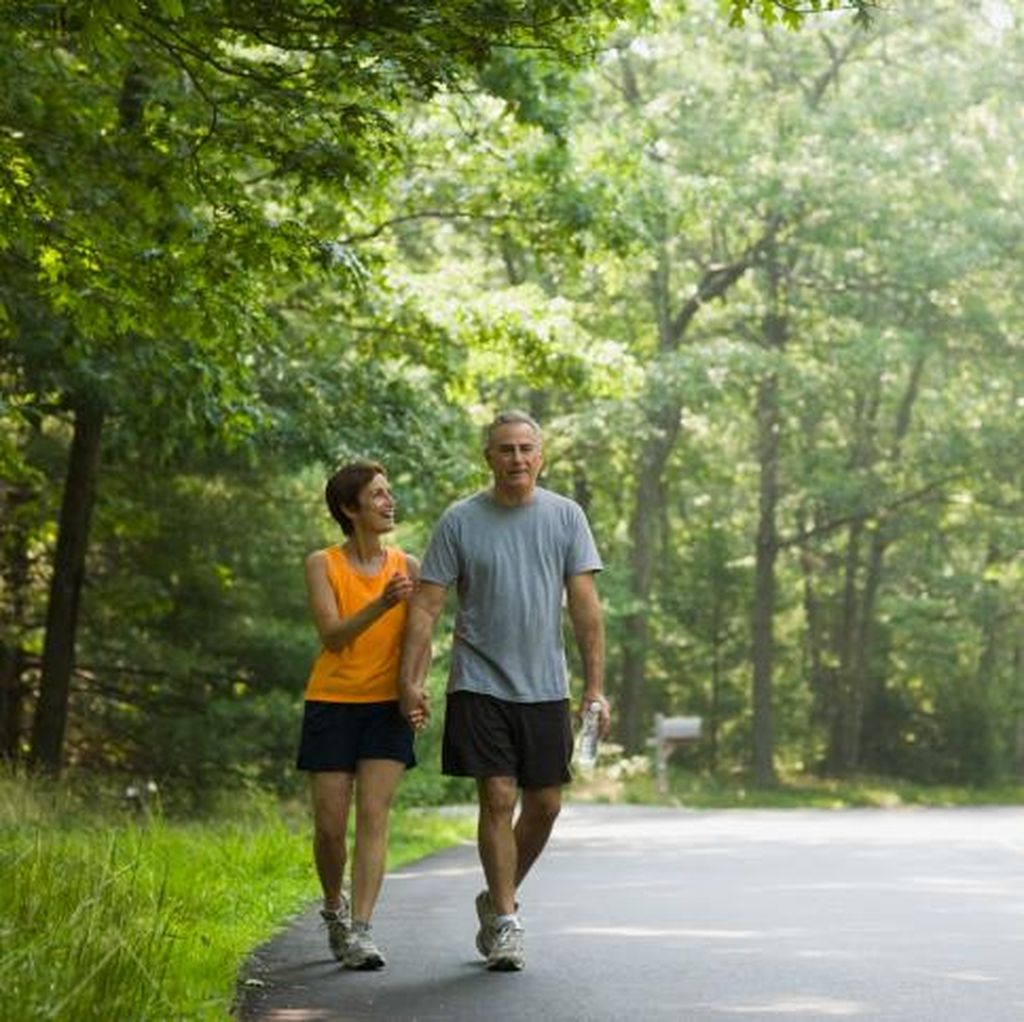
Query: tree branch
(879, 512)
(718, 279)
(427, 214)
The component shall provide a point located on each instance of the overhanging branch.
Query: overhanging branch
(880, 512)
(426, 214)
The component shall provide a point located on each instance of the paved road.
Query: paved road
(652, 914)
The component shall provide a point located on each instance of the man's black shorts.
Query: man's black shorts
(336, 736)
(488, 737)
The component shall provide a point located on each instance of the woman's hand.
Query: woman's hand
(399, 588)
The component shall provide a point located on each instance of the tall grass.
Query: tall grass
(102, 918)
(85, 932)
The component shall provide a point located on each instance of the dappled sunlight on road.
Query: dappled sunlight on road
(813, 1007)
(961, 977)
(911, 884)
(301, 1015)
(432, 872)
(662, 933)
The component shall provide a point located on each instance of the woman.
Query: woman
(354, 740)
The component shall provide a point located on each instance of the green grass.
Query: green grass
(102, 919)
(700, 791)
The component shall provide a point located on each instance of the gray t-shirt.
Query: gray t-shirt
(510, 566)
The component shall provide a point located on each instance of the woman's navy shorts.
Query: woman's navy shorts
(336, 736)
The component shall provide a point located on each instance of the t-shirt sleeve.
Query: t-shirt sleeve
(582, 555)
(440, 563)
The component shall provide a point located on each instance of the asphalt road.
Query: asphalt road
(653, 914)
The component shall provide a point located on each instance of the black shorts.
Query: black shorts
(336, 736)
(488, 737)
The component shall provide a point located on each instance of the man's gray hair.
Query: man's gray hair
(513, 415)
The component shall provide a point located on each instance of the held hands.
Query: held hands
(398, 589)
(415, 707)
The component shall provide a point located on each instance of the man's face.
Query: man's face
(515, 457)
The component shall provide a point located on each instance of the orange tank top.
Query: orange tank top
(366, 670)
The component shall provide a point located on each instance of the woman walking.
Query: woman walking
(355, 744)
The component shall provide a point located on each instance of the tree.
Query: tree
(133, 285)
(729, 174)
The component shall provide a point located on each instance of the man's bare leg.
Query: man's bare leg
(496, 840)
(537, 815)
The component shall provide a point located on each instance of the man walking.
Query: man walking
(511, 552)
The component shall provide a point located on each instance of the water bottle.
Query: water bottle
(590, 735)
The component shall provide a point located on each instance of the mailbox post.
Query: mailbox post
(669, 734)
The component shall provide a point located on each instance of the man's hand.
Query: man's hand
(415, 707)
(606, 711)
(424, 610)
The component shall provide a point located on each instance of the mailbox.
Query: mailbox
(676, 729)
(669, 734)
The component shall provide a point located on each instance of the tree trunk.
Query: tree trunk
(50, 720)
(764, 581)
(856, 636)
(663, 412)
(663, 427)
(864, 646)
(842, 752)
(16, 580)
(774, 333)
(866, 689)
(12, 695)
(715, 707)
(643, 532)
(815, 640)
(1018, 674)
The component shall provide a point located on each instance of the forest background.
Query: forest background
(759, 285)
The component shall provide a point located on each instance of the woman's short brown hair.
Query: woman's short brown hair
(342, 490)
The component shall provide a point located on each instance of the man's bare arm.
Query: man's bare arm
(588, 626)
(424, 609)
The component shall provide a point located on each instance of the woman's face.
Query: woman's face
(376, 510)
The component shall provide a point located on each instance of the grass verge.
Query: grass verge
(104, 919)
(700, 791)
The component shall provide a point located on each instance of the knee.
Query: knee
(544, 809)
(498, 801)
(329, 832)
(372, 813)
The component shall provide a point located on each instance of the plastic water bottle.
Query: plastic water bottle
(590, 736)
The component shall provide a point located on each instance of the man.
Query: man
(511, 551)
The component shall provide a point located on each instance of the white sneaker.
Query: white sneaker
(361, 952)
(485, 913)
(337, 924)
(507, 952)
